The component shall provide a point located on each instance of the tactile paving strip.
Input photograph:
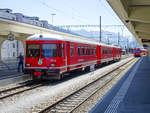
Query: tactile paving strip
(112, 108)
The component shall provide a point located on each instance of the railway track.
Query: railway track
(74, 100)
(19, 89)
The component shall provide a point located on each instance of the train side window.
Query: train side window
(88, 50)
(83, 51)
(60, 50)
(103, 51)
(92, 51)
(79, 50)
(71, 50)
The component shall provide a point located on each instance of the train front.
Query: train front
(137, 52)
(44, 56)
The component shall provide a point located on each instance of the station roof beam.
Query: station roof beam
(135, 14)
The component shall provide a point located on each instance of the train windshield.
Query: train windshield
(49, 50)
(33, 50)
(137, 51)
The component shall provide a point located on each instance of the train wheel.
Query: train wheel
(87, 69)
(83, 69)
(34, 78)
(61, 76)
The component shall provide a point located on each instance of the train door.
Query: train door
(62, 55)
(66, 55)
(99, 54)
(114, 53)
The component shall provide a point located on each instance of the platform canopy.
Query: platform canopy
(135, 14)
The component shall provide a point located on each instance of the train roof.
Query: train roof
(65, 38)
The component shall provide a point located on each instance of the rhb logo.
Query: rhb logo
(40, 61)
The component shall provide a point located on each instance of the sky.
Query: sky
(68, 12)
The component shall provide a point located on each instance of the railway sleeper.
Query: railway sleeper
(59, 111)
(70, 105)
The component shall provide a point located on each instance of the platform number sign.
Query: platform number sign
(11, 37)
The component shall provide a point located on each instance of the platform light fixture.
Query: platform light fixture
(11, 36)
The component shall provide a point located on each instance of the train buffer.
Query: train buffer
(131, 93)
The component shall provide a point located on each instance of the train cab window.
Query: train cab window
(83, 51)
(49, 50)
(60, 51)
(33, 50)
(71, 50)
(79, 50)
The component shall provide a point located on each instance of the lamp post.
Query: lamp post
(53, 14)
(100, 30)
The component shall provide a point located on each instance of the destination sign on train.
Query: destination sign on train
(145, 40)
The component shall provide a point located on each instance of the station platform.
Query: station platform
(9, 74)
(12, 77)
(5, 74)
(131, 94)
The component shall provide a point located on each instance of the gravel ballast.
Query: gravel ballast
(41, 97)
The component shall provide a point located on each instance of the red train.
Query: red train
(49, 56)
(144, 51)
(137, 52)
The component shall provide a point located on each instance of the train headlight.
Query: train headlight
(53, 64)
(28, 65)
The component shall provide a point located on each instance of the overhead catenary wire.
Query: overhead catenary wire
(60, 11)
(76, 11)
(110, 13)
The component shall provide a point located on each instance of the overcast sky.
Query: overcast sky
(67, 12)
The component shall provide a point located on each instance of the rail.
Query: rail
(71, 102)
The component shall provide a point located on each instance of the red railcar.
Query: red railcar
(143, 51)
(50, 56)
(137, 52)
